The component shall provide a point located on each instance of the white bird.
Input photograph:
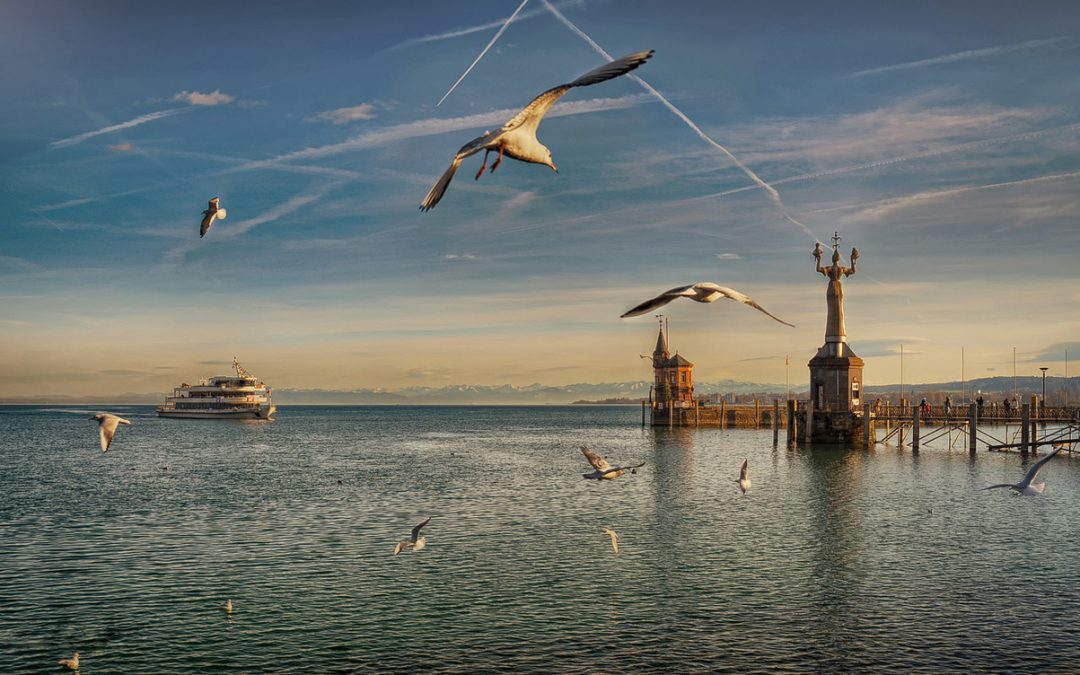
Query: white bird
(416, 542)
(107, 424)
(1028, 486)
(228, 606)
(604, 471)
(614, 539)
(210, 214)
(703, 291)
(744, 478)
(517, 138)
(72, 663)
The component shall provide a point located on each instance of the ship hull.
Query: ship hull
(263, 413)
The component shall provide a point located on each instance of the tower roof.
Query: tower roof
(676, 361)
(661, 350)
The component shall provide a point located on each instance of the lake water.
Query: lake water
(833, 561)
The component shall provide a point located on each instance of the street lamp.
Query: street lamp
(1044, 369)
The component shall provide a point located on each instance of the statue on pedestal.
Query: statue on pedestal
(834, 324)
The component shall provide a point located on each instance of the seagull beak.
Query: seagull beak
(553, 167)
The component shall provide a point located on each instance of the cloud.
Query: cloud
(215, 97)
(121, 147)
(960, 56)
(440, 125)
(175, 256)
(364, 111)
(460, 256)
(142, 119)
(728, 256)
(886, 208)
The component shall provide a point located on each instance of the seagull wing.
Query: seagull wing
(416, 530)
(207, 221)
(107, 426)
(471, 148)
(733, 294)
(742, 474)
(614, 538)
(400, 545)
(532, 114)
(991, 487)
(659, 301)
(598, 462)
(1034, 471)
(622, 468)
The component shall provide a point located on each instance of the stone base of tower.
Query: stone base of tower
(836, 394)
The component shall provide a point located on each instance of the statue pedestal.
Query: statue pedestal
(835, 393)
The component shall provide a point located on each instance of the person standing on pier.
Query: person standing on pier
(1006, 405)
(948, 406)
(979, 406)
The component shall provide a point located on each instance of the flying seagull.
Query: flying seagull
(416, 542)
(107, 424)
(604, 471)
(210, 214)
(517, 138)
(703, 291)
(72, 663)
(614, 538)
(744, 478)
(1026, 486)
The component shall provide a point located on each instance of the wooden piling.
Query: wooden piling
(888, 422)
(791, 422)
(973, 424)
(1025, 428)
(1036, 413)
(916, 418)
(868, 428)
(723, 413)
(757, 414)
(643, 413)
(809, 435)
(775, 421)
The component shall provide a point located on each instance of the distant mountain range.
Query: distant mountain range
(539, 394)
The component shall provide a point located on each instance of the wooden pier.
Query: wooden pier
(899, 425)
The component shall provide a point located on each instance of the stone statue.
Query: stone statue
(834, 324)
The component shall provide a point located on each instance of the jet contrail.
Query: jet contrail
(959, 56)
(142, 119)
(770, 190)
(498, 34)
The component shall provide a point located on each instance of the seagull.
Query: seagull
(614, 538)
(517, 138)
(72, 663)
(1026, 486)
(744, 478)
(209, 215)
(107, 424)
(703, 291)
(228, 606)
(416, 542)
(604, 471)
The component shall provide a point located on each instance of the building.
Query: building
(673, 377)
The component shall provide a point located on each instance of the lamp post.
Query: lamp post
(1043, 404)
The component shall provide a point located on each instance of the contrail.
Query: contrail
(770, 190)
(143, 119)
(959, 56)
(498, 34)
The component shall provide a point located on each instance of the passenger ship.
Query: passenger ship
(240, 396)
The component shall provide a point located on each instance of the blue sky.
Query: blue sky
(941, 139)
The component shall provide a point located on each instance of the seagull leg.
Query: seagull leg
(482, 166)
(497, 161)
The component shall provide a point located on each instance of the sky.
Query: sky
(940, 139)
